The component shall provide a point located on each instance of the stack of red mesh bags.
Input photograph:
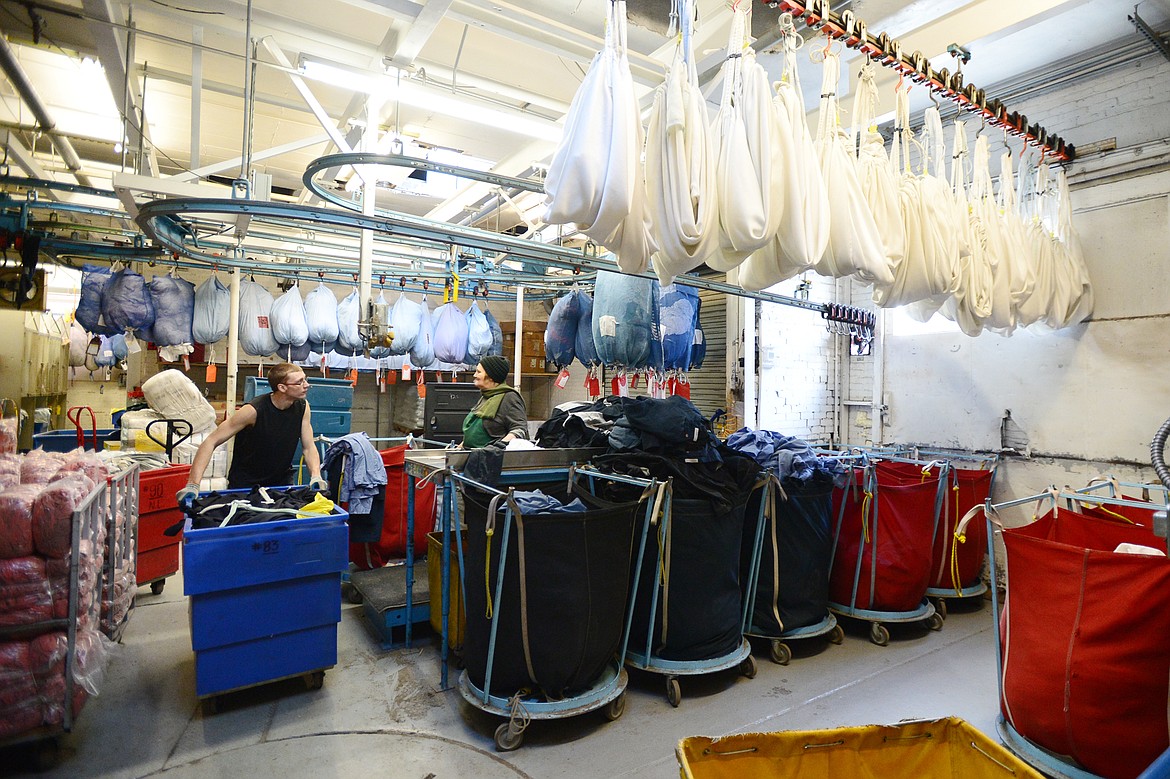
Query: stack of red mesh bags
(38, 494)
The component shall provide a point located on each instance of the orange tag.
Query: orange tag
(422, 391)
(406, 372)
(562, 378)
(209, 375)
(186, 364)
(391, 377)
(351, 377)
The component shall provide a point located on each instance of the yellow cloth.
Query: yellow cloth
(321, 506)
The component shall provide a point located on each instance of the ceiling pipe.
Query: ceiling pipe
(24, 87)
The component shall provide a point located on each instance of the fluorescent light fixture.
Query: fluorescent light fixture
(435, 99)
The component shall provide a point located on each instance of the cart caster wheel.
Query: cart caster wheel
(747, 667)
(878, 634)
(209, 706)
(673, 692)
(935, 621)
(781, 654)
(940, 608)
(156, 588)
(351, 593)
(506, 740)
(315, 680)
(615, 708)
(837, 634)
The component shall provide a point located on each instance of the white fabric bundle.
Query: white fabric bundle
(745, 135)
(321, 312)
(855, 247)
(422, 353)
(973, 300)
(172, 394)
(879, 183)
(78, 344)
(405, 316)
(1032, 306)
(944, 215)
(348, 315)
(596, 177)
(803, 233)
(680, 167)
(213, 311)
(255, 309)
(479, 334)
(1081, 306)
(290, 324)
(994, 247)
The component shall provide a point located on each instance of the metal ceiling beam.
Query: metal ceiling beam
(27, 162)
(306, 94)
(126, 185)
(112, 51)
(20, 81)
(274, 151)
(420, 32)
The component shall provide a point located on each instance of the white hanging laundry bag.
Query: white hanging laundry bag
(349, 337)
(596, 178)
(879, 183)
(321, 313)
(680, 165)
(1081, 307)
(855, 247)
(405, 318)
(289, 322)
(213, 311)
(803, 232)
(255, 311)
(745, 137)
(992, 243)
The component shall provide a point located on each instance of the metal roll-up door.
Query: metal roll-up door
(709, 383)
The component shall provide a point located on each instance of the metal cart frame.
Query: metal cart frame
(780, 651)
(925, 612)
(608, 692)
(1050, 764)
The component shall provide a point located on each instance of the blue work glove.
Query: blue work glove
(187, 494)
(319, 484)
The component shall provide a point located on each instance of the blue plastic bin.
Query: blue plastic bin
(264, 600)
(66, 440)
(323, 393)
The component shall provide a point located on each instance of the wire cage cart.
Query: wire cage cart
(713, 582)
(66, 644)
(1082, 660)
(787, 561)
(957, 562)
(547, 623)
(882, 542)
(120, 580)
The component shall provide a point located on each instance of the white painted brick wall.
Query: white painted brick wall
(795, 366)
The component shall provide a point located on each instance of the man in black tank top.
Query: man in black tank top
(266, 431)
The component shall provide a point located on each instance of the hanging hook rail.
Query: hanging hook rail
(887, 51)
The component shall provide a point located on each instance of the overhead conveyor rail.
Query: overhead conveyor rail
(162, 221)
(887, 51)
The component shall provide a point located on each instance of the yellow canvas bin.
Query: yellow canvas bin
(930, 749)
(457, 622)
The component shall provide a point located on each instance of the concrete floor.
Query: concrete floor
(383, 712)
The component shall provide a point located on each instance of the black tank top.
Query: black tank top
(264, 451)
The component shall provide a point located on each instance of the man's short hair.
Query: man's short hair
(280, 373)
